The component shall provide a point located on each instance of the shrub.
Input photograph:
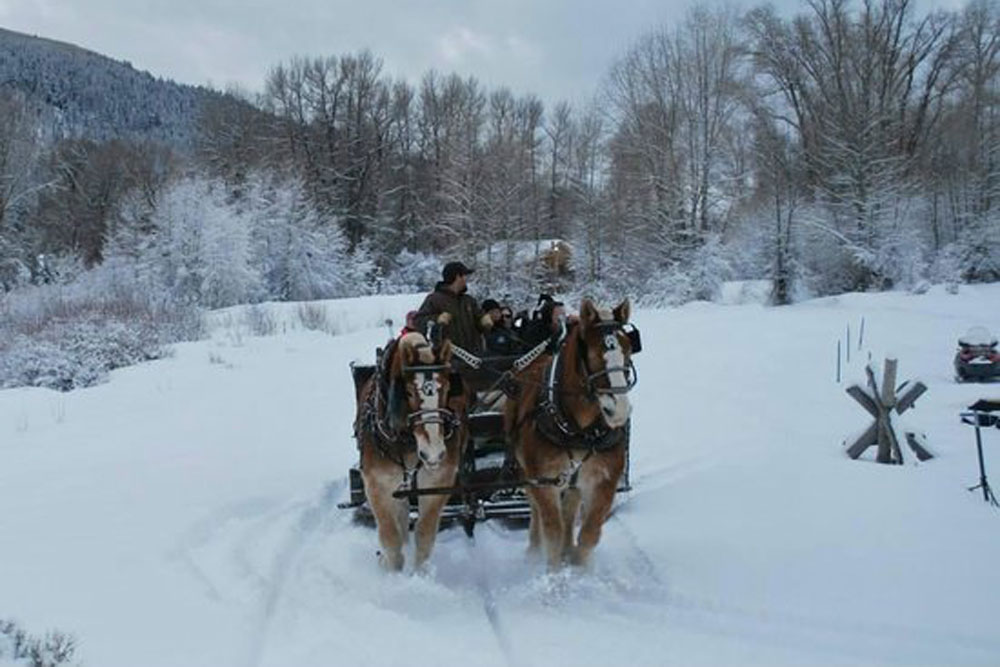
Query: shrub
(17, 646)
(315, 317)
(67, 337)
(260, 321)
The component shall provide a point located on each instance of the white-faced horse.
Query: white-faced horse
(567, 422)
(409, 427)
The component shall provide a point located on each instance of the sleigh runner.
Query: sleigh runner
(489, 483)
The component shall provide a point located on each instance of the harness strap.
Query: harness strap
(575, 467)
(531, 355)
(409, 482)
(518, 365)
(504, 381)
(466, 356)
(552, 423)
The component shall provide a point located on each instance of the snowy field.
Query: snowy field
(185, 512)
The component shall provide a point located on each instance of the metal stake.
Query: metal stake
(983, 482)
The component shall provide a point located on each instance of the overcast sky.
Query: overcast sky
(557, 49)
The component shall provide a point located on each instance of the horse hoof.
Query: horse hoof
(579, 559)
(389, 563)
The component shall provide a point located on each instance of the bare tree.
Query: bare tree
(20, 150)
(780, 187)
(675, 103)
(559, 134)
(862, 90)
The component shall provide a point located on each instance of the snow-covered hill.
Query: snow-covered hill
(82, 94)
(184, 513)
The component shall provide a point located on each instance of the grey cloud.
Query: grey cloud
(557, 49)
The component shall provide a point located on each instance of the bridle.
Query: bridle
(608, 333)
(426, 416)
(560, 428)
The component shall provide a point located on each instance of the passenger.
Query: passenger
(500, 340)
(545, 321)
(411, 324)
(492, 308)
(507, 317)
(467, 322)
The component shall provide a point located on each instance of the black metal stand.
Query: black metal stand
(980, 419)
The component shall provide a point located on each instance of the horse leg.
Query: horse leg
(600, 495)
(427, 527)
(571, 499)
(387, 513)
(403, 518)
(551, 528)
(534, 528)
(431, 507)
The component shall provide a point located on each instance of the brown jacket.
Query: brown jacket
(467, 320)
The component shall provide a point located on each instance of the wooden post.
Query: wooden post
(910, 396)
(848, 343)
(884, 454)
(889, 383)
(838, 361)
(880, 403)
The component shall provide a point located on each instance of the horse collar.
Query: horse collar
(560, 429)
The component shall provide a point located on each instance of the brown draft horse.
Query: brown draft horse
(409, 428)
(566, 425)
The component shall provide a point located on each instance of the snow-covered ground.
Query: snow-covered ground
(185, 512)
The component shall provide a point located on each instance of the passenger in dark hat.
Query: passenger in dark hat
(501, 339)
(467, 322)
(545, 321)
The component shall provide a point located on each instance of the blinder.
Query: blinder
(611, 328)
(633, 336)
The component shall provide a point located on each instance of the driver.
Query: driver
(467, 322)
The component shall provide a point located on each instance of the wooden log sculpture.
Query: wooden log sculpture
(880, 405)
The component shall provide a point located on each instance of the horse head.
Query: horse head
(606, 350)
(424, 370)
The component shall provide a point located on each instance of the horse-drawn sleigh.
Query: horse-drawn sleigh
(445, 435)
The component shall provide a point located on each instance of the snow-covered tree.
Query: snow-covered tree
(301, 255)
(201, 246)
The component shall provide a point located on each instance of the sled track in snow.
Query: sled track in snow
(485, 591)
(302, 530)
(641, 560)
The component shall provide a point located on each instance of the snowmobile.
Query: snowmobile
(977, 358)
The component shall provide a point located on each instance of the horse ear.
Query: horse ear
(588, 313)
(623, 311)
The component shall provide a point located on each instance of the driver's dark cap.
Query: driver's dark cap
(453, 270)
